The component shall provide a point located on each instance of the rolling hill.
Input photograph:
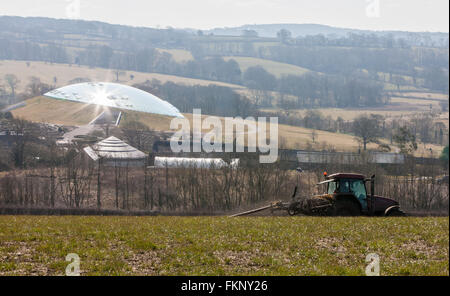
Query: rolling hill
(302, 30)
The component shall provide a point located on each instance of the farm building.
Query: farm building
(115, 152)
(348, 157)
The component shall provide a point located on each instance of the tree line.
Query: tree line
(427, 67)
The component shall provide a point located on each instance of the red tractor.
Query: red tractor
(346, 195)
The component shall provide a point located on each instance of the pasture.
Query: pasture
(109, 245)
(64, 73)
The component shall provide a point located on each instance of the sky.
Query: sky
(404, 15)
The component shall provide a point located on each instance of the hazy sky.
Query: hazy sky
(407, 15)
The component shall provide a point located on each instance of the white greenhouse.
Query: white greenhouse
(116, 96)
(184, 162)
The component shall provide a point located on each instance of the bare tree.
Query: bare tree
(118, 73)
(36, 87)
(23, 133)
(314, 136)
(367, 129)
(137, 134)
(12, 82)
(406, 140)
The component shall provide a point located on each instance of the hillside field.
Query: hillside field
(46, 72)
(108, 245)
(42, 109)
(293, 137)
(402, 105)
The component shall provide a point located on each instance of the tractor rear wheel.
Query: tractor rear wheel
(346, 208)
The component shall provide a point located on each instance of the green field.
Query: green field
(38, 245)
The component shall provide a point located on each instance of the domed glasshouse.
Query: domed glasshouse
(116, 96)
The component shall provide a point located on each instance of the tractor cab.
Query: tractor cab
(349, 185)
(353, 185)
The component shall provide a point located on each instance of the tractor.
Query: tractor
(346, 195)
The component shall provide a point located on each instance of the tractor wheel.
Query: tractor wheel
(346, 208)
(292, 209)
(396, 213)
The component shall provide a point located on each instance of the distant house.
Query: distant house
(115, 152)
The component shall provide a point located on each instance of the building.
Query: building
(115, 152)
(122, 97)
(113, 101)
(349, 157)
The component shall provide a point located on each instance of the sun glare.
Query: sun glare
(100, 97)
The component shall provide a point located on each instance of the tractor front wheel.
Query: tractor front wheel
(395, 213)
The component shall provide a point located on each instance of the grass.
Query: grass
(37, 245)
(43, 109)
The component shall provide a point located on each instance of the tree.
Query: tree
(23, 133)
(12, 82)
(105, 55)
(118, 73)
(367, 129)
(444, 155)
(136, 134)
(284, 35)
(436, 79)
(36, 87)
(257, 77)
(3, 95)
(444, 105)
(249, 33)
(405, 140)
(313, 136)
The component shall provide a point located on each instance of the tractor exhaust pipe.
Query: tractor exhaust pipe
(372, 193)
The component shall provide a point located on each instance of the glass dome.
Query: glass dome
(116, 96)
